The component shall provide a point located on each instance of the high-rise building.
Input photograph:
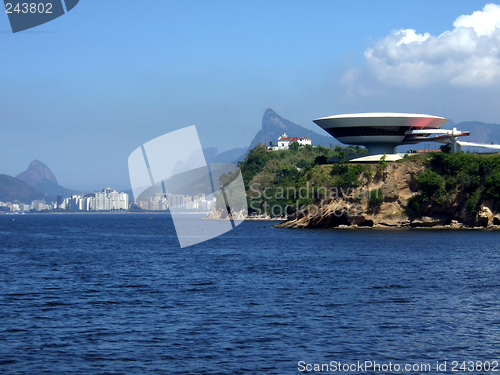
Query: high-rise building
(110, 199)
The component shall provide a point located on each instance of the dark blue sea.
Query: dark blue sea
(115, 294)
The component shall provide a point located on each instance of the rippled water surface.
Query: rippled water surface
(115, 294)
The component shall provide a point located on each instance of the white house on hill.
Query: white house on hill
(284, 142)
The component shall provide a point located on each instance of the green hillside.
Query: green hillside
(455, 179)
(267, 173)
(446, 182)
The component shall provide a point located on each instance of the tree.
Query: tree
(382, 164)
(445, 148)
(320, 160)
(431, 183)
(376, 197)
(294, 146)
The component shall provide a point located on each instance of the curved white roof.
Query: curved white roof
(381, 114)
(381, 119)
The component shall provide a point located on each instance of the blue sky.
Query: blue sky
(82, 92)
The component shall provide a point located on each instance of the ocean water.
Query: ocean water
(114, 294)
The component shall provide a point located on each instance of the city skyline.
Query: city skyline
(83, 91)
(109, 199)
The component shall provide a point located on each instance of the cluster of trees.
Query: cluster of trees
(267, 174)
(280, 181)
(274, 178)
(474, 178)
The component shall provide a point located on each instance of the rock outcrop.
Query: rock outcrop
(397, 184)
(220, 214)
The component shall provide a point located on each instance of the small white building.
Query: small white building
(284, 142)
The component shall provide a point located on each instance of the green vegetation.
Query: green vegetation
(445, 148)
(452, 177)
(273, 178)
(432, 185)
(382, 165)
(347, 175)
(232, 197)
(284, 181)
(473, 203)
(376, 197)
(492, 185)
(276, 181)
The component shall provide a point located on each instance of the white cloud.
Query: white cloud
(483, 22)
(468, 55)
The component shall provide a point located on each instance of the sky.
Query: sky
(82, 92)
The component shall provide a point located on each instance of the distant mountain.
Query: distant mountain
(232, 156)
(480, 131)
(210, 154)
(273, 126)
(12, 189)
(36, 172)
(41, 178)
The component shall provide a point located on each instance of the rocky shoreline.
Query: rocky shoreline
(384, 196)
(215, 214)
(397, 185)
(455, 225)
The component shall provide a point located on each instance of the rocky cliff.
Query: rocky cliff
(382, 201)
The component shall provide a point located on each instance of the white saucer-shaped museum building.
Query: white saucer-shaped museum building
(381, 133)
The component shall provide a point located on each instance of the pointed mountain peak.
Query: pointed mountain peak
(271, 119)
(37, 164)
(269, 112)
(273, 126)
(37, 172)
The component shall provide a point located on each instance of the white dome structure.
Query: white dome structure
(381, 133)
